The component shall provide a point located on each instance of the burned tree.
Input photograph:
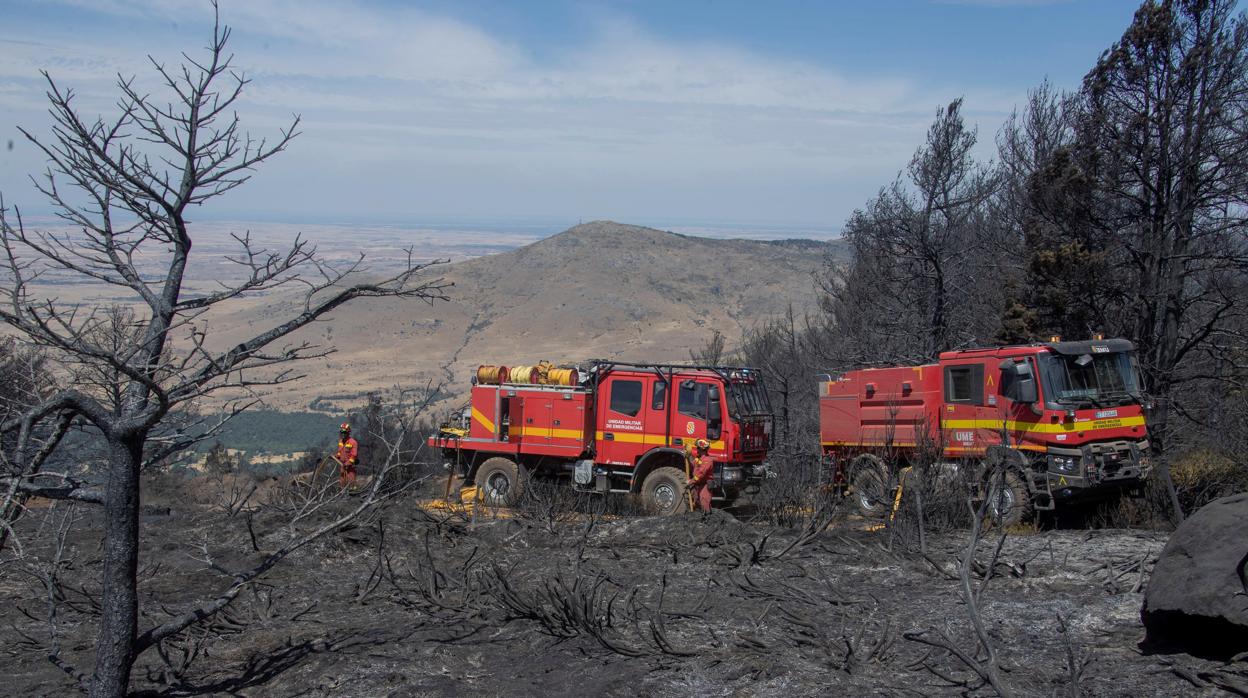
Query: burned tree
(1166, 106)
(1132, 192)
(918, 281)
(124, 185)
(28, 381)
(1128, 196)
(1046, 206)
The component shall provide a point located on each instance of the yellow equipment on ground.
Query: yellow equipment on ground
(901, 486)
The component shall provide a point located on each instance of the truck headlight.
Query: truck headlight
(732, 474)
(1064, 464)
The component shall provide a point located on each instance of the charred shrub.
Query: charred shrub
(392, 436)
(311, 458)
(799, 485)
(1152, 510)
(219, 461)
(550, 503)
(553, 502)
(934, 496)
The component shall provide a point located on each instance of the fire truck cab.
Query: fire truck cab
(621, 428)
(1066, 417)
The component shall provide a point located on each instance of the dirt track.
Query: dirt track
(700, 604)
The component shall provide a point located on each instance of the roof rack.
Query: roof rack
(601, 367)
(612, 363)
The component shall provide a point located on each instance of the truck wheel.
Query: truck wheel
(663, 492)
(873, 492)
(500, 481)
(1011, 503)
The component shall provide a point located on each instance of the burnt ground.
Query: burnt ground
(424, 602)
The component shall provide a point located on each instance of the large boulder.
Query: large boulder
(1197, 599)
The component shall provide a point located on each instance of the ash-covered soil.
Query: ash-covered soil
(422, 602)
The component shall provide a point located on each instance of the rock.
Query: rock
(1197, 598)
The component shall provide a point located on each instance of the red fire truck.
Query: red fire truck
(1065, 417)
(613, 428)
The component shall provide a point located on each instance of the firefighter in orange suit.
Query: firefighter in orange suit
(702, 467)
(348, 456)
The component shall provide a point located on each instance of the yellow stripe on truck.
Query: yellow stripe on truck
(552, 433)
(485, 421)
(632, 437)
(1043, 428)
(878, 442)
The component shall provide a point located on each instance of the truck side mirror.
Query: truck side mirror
(1027, 391)
(1017, 382)
(714, 422)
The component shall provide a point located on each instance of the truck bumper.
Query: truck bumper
(732, 480)
(1098, 470)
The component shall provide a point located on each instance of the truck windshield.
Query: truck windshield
(747, 399)
(1096, 380)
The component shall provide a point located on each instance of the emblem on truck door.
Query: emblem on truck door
(689, 428)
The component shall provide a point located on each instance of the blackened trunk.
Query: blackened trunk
(1158, 422)
(114, 648)
(938, 330)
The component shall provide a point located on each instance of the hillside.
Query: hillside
(600, 289)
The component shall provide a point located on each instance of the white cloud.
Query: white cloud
(439, 113)
(325, 45)
(344, 40)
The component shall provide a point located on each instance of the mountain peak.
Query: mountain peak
(598, 289)
(600, 231)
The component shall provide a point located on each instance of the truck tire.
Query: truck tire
(872, 488)
(663, 492)
(1011, 504)
(500, 481)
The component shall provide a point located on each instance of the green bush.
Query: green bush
(1205, 475)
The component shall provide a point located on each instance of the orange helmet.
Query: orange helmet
(344, 427)
(702, 444)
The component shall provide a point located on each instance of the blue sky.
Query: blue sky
(644, 111)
